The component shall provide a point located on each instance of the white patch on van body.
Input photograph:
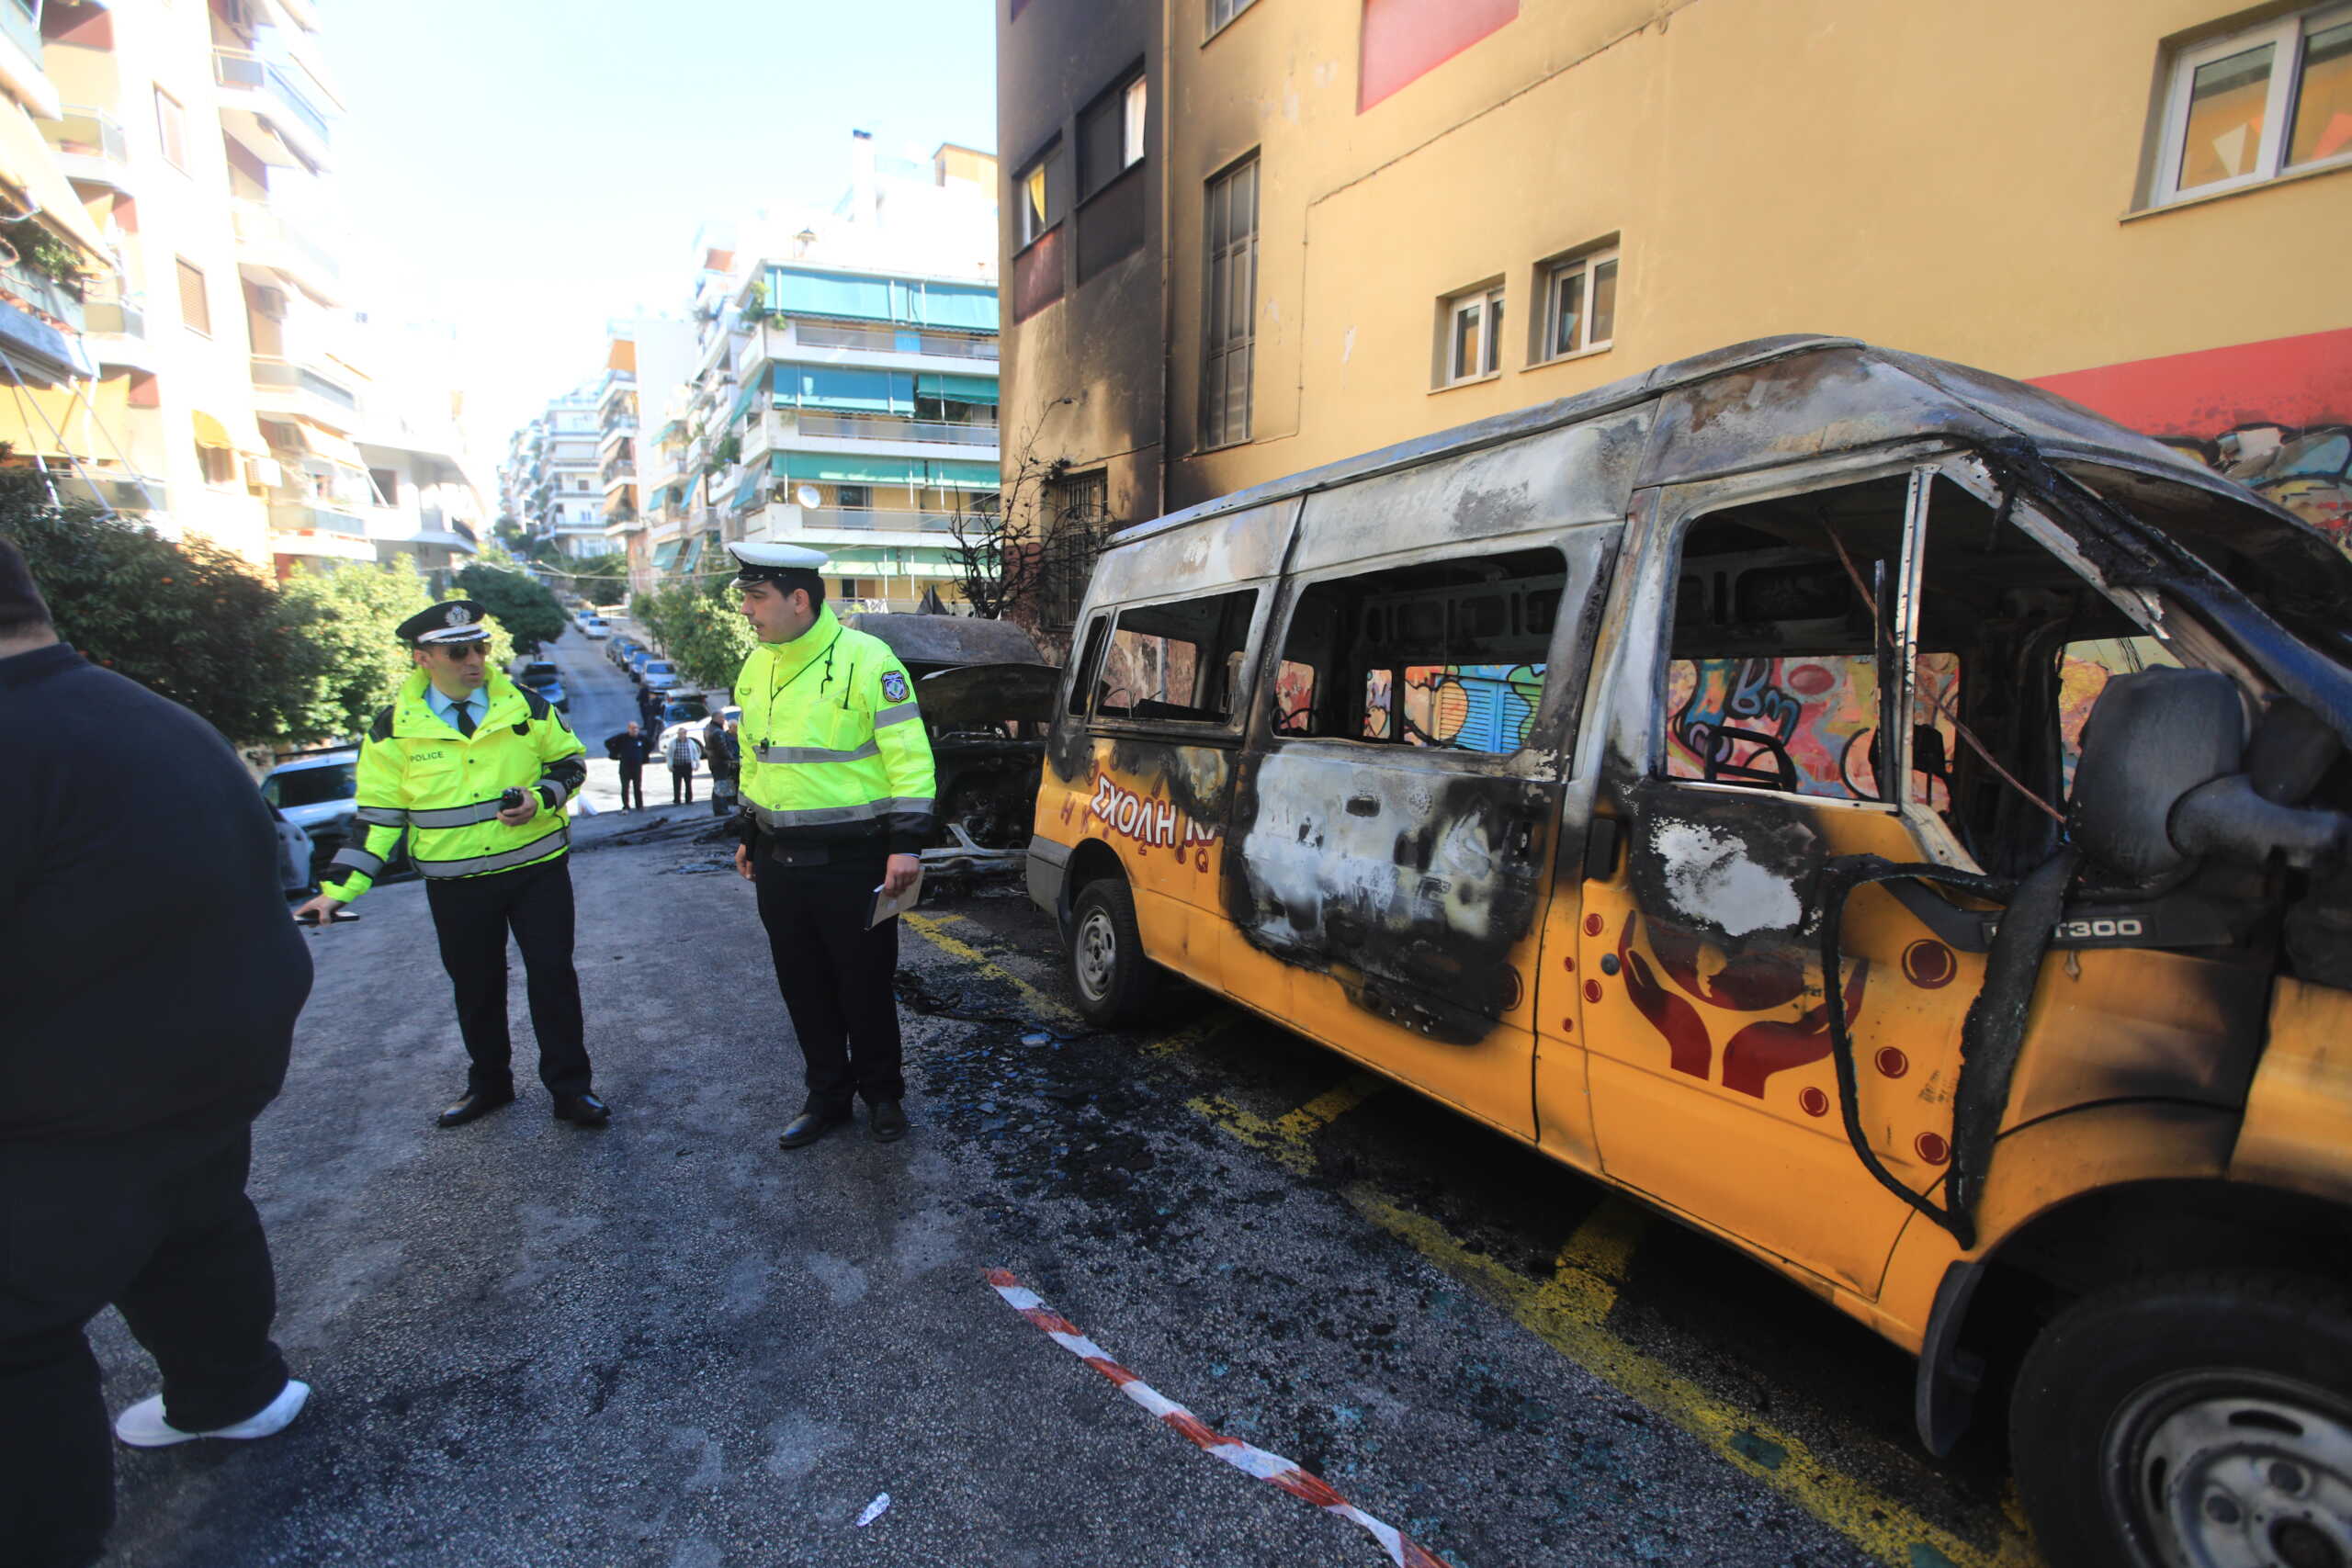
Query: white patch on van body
(1710, 879)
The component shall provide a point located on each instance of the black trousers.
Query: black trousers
(682, 787)
(835, 973)
(471, 915)
(161, 1229)
(632, 787)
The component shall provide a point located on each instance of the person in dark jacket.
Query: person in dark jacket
(150, 978)
(719, 745)
(631, 747)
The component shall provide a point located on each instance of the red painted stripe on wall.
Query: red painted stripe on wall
(2293, 382)
(1405, 39)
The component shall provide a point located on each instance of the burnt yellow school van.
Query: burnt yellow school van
(1879, 813)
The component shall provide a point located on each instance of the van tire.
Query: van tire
(1113, 980)
(2239, 1379)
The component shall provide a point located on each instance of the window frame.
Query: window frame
(1234, 9)
(171, 130)
(1243, 344)
(1041, 169)
(2287, 36)
(189, 271)
(1226, 731)
(1590, 555)
(1585, 267)
(1486, 299)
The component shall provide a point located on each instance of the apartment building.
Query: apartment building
(214, 386)
(1246, 237)
(843, 389)
(567, 502)
(653, 353)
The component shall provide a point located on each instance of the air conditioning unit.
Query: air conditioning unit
(270, 302)
(263, 473)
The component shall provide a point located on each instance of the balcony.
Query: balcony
(265, 239)
(90, 146)
(265, 104)
(41, 295)
(284, 387)
(783, 519)
(292, 517)
(783, 336)
(890, 434)
(890, 427)
(113, 488)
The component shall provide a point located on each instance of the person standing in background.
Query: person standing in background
(685, 753)
(631, 747)
(148, 980)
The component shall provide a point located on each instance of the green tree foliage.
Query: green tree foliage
(191, 621)
(700, 628)
(523, 607)
(349, 618)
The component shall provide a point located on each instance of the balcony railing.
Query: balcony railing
(44, 293)
(243, 69)
(87, 132)
(887, 339)
(273, 374)
(293, 517)
(891, 427)
(105, 309)
(878, 518)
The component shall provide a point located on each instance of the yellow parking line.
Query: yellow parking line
(927, 927)
(1569, 1310)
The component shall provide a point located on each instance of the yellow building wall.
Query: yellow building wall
(1959, 180)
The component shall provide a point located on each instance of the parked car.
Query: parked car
(542, 677)
(597, 629)
(315, 794)
(295, 853)
(1882, 814)
(636, 662)
(657, 675)
(689, 713)
(622, 647)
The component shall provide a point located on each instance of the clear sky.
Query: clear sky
(526, 169)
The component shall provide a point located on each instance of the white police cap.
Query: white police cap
(767, 562)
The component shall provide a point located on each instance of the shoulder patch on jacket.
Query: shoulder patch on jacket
(894, 685)
(380, 728)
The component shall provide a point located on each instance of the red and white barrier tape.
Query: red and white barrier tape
(1402, 1550)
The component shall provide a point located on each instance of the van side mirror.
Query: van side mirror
(2167, 778)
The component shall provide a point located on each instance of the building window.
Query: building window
(1110, 136)
(218, 464)
(1133, 102)
(1039, 202)
(1579, 305)
(1079, 517)
(171, 127)
(1224, 11)
(196, 310)
(1231, 305)
(387, 485)
(2258, 104)
(1470, 336)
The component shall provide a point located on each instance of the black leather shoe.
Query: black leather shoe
(809, 1126)
(478, 1102)
(886, 1123)
(582, 1109)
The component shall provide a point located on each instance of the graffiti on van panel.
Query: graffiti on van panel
(1460, 707)
(1749, 983)
(1803, 725)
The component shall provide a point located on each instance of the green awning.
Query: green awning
(743, 406)
(747, 491)
(848, 390)
(664, 554)
(960, 476)
(957, 389)
(840, 469)
(962, 306)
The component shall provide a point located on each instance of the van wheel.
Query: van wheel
(2191, 1421)
(1113, 980)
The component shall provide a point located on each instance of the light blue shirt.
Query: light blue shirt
(446, 709)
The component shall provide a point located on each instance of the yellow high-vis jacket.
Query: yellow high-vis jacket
(418, 775)
(832, 746)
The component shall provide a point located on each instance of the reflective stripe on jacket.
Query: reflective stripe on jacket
(419, 776)
(831, 744)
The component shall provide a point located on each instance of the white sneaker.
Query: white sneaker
(144, 1427)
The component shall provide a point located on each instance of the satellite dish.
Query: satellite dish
(809, 495)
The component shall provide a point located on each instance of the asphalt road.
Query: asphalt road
(670, 1343)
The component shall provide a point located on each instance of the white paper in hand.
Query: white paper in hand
(886, 908)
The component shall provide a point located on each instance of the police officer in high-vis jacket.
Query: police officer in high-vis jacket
(837, 799)
(476, 769)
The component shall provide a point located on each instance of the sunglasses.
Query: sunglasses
(455, 650)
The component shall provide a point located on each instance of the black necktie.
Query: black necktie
(466, 718)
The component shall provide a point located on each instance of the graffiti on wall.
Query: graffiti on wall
(1805, 726)
(2308, 470)
(1462, 707)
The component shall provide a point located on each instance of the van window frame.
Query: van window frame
(1589, 552)
(1682, 506)
(1228, 731)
